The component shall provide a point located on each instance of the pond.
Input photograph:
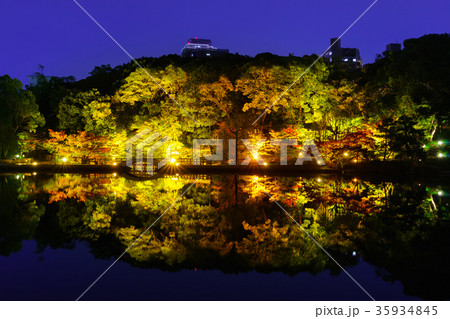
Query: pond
(223, 237)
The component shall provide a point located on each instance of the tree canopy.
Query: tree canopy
(19, 115)
(263, 97)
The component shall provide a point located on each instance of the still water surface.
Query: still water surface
(225, 239)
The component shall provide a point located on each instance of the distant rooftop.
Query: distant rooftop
(200, 41)
(393, 47)
(196, 47)
(349, 56)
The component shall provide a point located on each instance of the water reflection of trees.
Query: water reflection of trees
(19, 214)
(229, 223)
(410, 240)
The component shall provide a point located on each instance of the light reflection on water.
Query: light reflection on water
(228, 225)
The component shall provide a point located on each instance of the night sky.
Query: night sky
(60, 36)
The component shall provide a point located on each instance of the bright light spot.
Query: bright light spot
(177, 164)
(440, 155)
(34, 163)
(34, 173)
(355, 180)
(114, 174)
(319, 162)
(17, 176)
(172, 160)
(300, 154)
(174, 178)
(423, 146)
(440, 193)
(319, 179)
(64, 159)
(114, 163)
(440, 142)
(355, 161)
(17, 156)
(177, 174)
(265, 164)
(255, 178)
(345, 154)
(354, 253)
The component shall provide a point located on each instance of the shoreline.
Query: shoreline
(382, 171)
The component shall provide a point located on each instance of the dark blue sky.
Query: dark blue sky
(57, 34)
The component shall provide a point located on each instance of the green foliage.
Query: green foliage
(19, 113)
(413, 82)
(403, 138)
(222, 97)
(72, 114)
(48, 93)
(99, 118)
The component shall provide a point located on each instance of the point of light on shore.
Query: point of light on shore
(172, 160)
(64, 159)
